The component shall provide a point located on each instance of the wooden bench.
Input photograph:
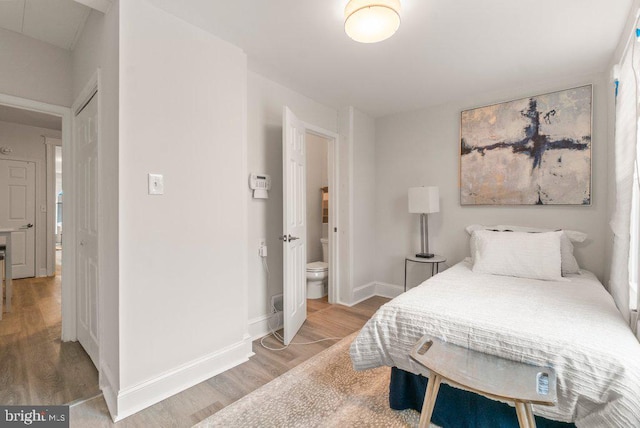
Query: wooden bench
(488, 375)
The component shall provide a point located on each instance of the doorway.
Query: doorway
(318, 202)
(46, 370)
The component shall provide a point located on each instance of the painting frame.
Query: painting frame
(528, 132)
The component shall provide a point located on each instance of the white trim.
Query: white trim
(350, 149)
(372, 289)
(244, 241)
(387, 290)
(259, 326)
(109, 386)
(363, 292)
(138, 397)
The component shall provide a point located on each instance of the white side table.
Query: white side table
(433, 261)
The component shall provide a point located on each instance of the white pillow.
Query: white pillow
(569, 262)
(574, 235)
(519, 254)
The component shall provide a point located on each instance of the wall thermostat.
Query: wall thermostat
(260, 184)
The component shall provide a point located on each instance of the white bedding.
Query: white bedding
(572, 326)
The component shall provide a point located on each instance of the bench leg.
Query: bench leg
(433, 386)
(525, 415)
(530, 418)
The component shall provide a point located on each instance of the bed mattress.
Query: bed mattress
(571, 325)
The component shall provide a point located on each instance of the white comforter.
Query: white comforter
(572, 326)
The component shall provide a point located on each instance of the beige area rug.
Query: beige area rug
(324, 391)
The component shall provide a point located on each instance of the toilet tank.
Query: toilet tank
(325, 249)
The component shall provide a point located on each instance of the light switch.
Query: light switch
(156, 184)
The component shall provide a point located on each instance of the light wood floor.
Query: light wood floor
(206, 398)
(35, 366)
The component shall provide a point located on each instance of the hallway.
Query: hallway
(36, 368)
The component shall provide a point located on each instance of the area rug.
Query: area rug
(324, 391)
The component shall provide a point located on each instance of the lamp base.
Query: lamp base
(424, 255)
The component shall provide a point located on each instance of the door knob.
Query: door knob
(287, 238)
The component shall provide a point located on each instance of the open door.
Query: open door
(86, 158)
(294, 225)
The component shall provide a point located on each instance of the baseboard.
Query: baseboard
(390, 291)
(42, 272)
(109, 388)
(362, 293)
(133, 399)
(259, 326)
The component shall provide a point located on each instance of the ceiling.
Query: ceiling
(58, 22)
(31, 118)
(444, 49)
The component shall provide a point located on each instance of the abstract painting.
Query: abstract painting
(533, 151)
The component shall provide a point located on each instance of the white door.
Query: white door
(295, 228)
(18, 210)
(85, 130)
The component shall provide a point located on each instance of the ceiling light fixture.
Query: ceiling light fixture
(371, 21)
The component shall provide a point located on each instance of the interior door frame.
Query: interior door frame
(37, 242)
(51, 202)
(68, 257)
(333, 159)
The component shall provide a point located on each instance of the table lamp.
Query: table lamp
(423, 201)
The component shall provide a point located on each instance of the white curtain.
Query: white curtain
(625, 156)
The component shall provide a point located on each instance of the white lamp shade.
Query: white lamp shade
(424, 200)
(371, 21)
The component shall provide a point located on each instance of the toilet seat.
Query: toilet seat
(317, 267)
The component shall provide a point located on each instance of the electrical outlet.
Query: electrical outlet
(262, 247)
(276, 302)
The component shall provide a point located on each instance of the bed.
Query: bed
(571, 324)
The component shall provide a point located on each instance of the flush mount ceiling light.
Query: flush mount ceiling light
(371, 21)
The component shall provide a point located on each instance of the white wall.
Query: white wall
(422, 148)
(34, 70)
(98, 47)
(264, 136)
(183, 294)
(316, 179)
(27, 143)
(357, 206)
(364, 199)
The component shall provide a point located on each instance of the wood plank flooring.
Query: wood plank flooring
(35, 366)
(206, 398)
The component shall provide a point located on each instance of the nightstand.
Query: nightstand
(433, 261)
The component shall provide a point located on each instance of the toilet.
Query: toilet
(318, 273)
